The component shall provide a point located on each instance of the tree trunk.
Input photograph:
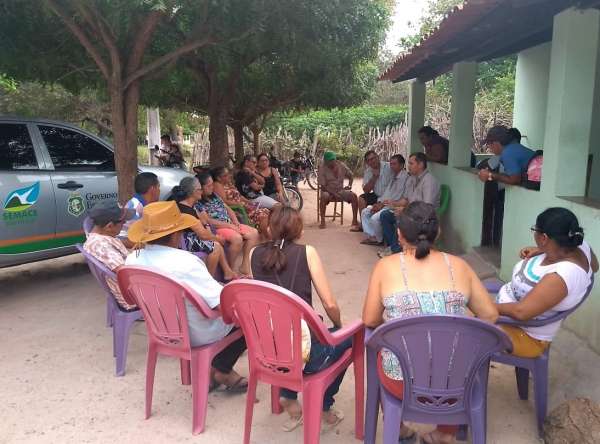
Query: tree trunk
(238, 134)
(256, 137)
(217, 135)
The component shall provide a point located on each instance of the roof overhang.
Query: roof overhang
(481, 30)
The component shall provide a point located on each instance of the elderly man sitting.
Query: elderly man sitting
(390, 197)
(331, 180)
(377, 177)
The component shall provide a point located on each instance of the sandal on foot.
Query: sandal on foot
(370, 242)
(356, 229)
(214, 385)
(239, 386)
(327, 426)
(292, 423)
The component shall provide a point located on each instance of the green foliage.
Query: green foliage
(357, 119)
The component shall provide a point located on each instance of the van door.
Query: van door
(84, 174)
(28, 212)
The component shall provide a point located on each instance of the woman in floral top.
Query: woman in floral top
(226, 190)
(421, 281)
(240, 237)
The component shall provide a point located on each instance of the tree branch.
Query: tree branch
(81, 36)
(96, 19)
(143, 40)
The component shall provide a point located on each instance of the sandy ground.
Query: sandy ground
(57, 382)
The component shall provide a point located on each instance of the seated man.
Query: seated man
(375, 180)
(147, 190)
(159, 232)
(296, 168)
(170, 153)
(103, 244)
(331, 180)
(370, 217)
(421, 186)
(434, 145)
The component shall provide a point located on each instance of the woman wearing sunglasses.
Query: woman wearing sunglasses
(553, 276)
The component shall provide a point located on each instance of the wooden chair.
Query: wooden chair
(335, 213)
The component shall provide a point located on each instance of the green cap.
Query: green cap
(329, 156)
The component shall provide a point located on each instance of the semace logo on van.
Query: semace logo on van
(17, 205)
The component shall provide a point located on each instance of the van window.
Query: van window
(16, 149)
(70, 150)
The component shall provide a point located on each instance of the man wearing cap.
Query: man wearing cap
(157, 236)
(103, 244)
(331, 180)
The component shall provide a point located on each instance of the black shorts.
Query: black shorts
(369, 198)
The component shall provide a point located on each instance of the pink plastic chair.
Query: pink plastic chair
(162, 301)
(270, 319)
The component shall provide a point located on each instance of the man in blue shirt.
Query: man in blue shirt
(514, 157)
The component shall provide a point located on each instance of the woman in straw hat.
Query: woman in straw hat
(157, 236)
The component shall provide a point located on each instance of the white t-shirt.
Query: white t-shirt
(527, 273)
(188, 269)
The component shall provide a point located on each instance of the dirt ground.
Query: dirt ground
(57, 382)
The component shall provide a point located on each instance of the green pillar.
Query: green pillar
(571, 91)
(464, 75)
(531, 94)
(416, 114)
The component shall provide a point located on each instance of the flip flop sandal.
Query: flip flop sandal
(327, 427)
(356, 229)
(214, 385)
(292, 423)
(370, 242)
(239, 386)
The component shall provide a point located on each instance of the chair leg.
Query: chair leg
(121, 330)
(109, 310)
(478, 426)
(312, 407)
(359, 386)
(372, 410)
(186, 372)
(200, 375)
(250, 398)
(342, 214)
(150, 369)
(540, 391)
(522, 375)
(392, 422)
(275, 404)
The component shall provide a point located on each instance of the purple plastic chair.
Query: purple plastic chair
(445, 363)
(537, 366)
(88, 224)
(120, 321)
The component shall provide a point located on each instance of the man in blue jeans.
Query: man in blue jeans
(390, 234)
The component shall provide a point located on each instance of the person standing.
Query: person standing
(378, 175)
(436, 147)
(331, 181)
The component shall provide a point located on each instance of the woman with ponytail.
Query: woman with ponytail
(200, 238)
(421, 280)
(552, 277)
(283, 261)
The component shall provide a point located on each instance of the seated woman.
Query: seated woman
(552, 277)
(250, 184)
(421, 280)
(296, 267)
(229, 194)
(273, 187)
(200, 238)
(226, 222)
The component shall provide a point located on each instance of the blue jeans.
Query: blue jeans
(390, 233)
(321, 357)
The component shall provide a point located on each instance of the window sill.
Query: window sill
(585, 201)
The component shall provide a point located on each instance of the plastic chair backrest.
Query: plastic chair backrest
(162, 300)
(270, 319)
(88, 225)
(100, 271)
(549, 320)
(444, 199)
(440, 357)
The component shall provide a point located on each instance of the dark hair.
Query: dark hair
(428, 131)
(164, 241)
(145, 181)
(421, 158)
(217, 172)
(368, 153)
(500, 134)
(165, 136)
(203, 178)
(399, 158)
(419, 225)
(285, 225)
(560, 225)
(514, 134)
(185, 189)
(246, 158)
(263, 155)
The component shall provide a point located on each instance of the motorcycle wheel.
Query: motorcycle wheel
(311, 179)
(294, 198)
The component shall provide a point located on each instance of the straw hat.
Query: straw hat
(159, 219)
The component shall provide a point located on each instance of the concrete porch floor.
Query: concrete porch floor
(57, 382)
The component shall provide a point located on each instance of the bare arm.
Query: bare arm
(480, 302)
(369, 185)
(373, 309)
(546, 294)
(594, 263)
(319, 279)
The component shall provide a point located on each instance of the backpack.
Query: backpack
(533, 176)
